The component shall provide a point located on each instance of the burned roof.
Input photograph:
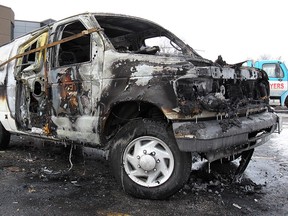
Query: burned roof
(128, 23)
(117, 25)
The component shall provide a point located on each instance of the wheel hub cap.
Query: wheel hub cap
(147, 162)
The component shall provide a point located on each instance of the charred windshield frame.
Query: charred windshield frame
(128, 34)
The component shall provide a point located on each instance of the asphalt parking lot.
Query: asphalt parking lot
(37, 178)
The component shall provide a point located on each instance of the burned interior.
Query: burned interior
(74, 51)
(137, 36)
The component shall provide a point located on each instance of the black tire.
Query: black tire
(163, 169)
(4, 137)
(286, 102)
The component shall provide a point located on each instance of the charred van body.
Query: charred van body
(130, 87)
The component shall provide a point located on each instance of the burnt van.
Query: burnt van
(133, 89)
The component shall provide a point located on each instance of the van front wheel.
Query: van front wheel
(147, 162)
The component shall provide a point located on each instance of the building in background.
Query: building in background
(6, 24)
(22, 26)
(10, 28)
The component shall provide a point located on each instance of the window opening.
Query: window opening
(77, 50)
(33, 61)
(273, 70)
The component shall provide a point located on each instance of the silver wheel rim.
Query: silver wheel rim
(148, 161)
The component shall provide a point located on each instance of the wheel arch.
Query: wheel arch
(123, 112)
(283, 99)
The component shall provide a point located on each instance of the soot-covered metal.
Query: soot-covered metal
(135, 90)
(104, 74)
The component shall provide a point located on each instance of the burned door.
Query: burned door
(70, 79)
(30, 75)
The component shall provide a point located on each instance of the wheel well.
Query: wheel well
(124, 112)
(285, 101)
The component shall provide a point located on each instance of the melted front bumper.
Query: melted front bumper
(208, 136)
